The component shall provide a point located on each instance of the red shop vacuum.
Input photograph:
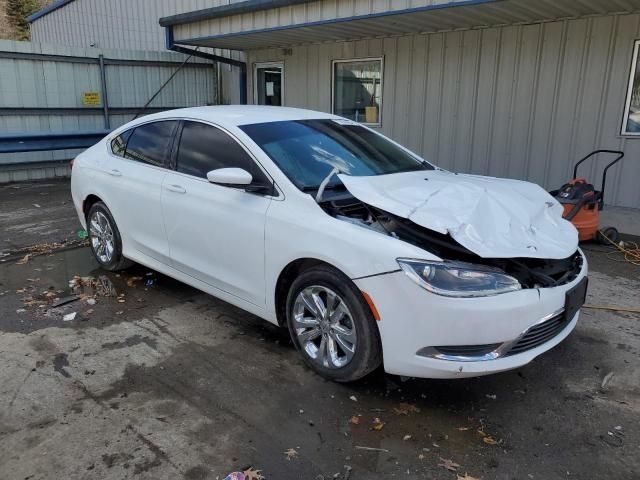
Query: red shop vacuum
(582, 202)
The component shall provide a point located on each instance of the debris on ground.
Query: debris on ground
(371, 449)
(353, 398)
(605, 381)
(64, 300)
(91, 301)
(101, 286)
(355, 420)
(251, 474)
(406, 437)
(406, 409)
(491, 397)
(69, 317)
(82, 234)
(291, 453)
(377, 424)
(466, 477)
(24, 259)
(449, 464)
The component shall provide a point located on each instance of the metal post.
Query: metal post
(105, 99)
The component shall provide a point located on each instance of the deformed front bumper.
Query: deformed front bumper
(425, 335)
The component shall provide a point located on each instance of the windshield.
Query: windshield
(307, 150)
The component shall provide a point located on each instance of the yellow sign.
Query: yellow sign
(91, 98)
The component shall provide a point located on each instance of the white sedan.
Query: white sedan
(369, 254)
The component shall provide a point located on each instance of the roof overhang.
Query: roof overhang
(48, 9)
(224, 27)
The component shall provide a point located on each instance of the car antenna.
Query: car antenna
(325, 182)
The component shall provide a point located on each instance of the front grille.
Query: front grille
(539, 334)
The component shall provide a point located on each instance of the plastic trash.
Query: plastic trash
(69, 317)
(82, 233)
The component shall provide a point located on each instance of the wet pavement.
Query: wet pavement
(153, 379)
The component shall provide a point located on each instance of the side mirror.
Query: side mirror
(230, 176)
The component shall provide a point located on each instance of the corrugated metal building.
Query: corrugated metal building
(514, 88)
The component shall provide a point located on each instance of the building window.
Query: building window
(631, 120)
(357, 89)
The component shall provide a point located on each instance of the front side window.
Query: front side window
(357, 90)
(204, 148)
(631, 120)
(149, 143)
(307, 150)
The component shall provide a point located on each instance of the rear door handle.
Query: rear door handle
(175, 188)
(115, 173)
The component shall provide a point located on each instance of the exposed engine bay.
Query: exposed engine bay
(530, 272)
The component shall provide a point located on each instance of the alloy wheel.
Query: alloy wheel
(101, 237)
(324, 327)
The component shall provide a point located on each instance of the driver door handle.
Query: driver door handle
(115, 173)
(175, 188)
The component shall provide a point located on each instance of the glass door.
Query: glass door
(268, 84)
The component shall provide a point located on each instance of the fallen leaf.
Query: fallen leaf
(355, 420)
(406, 409)
(251, 474)
(291, 453)
(406, 437)
(482, 434)
(353, 397)
(489, 440)
(377, 424)
(448, 464)
(463, 429)
(466, 477)
(24, 259)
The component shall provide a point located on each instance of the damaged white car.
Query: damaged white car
(369, 254)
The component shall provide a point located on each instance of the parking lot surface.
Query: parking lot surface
(152, 379)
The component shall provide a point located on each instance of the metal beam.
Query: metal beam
(39, 142)
(18, 111)
(105, 98)
(45, 57)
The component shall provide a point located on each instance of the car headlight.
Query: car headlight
(458, 279)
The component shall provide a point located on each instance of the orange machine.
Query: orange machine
(582, 202)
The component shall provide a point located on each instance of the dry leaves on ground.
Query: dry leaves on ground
(449, 464)
(251, 474)
(377, 424)
(291, 453)
(406, 409)
(466, 477)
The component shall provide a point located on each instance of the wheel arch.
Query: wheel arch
(288, 274)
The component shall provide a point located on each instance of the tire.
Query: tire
(324, 344)
(109, 258)
(611, 233)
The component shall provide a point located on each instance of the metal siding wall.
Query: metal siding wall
(519, 101)
(57, 84)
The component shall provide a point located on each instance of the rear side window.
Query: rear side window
(119, 143)
(204, 148)
(150, 143)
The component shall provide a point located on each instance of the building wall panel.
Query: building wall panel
(522, 101)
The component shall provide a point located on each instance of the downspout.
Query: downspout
(171, 45)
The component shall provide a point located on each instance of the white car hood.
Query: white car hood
(492, 217)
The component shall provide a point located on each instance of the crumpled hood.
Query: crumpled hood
(492, 217)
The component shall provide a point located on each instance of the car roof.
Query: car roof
(235, 115)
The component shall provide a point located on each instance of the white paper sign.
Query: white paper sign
(269, 88)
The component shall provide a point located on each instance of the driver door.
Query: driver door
(215, 233)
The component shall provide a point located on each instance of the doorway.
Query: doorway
(268, 83)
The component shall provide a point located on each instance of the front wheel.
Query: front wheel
(104, 238)
(332, 326)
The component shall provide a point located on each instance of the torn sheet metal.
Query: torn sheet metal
(492, 217)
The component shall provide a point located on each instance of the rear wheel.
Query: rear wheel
(332, 326)
(104, 238)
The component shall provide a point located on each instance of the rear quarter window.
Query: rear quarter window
(119, 143)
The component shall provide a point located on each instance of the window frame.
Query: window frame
(277, 192)
(169, 154)
(630, 80)
(351, 60)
